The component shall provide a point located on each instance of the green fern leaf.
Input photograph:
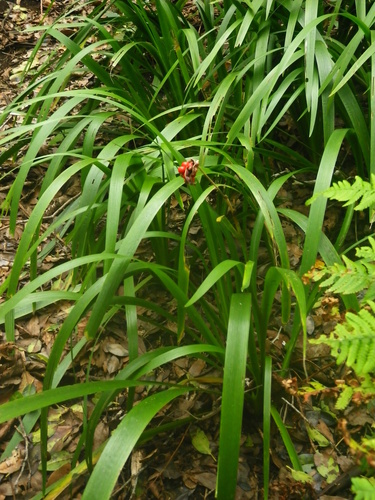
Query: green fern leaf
(335, 273)
(370, 267)
(365, 359)
(367, 386)
(363, 488)
(367, 252)
(344, 191)
(367, 201)
(344, 399)
(370, 294)
(353, 341)
(354, 349)
(353, 276)
(339, 345)
(369, 363)
(349, 283)
(348, 193)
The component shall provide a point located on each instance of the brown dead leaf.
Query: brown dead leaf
(61, 437)
(101, 434)
(12, 463)
(27, 380)
(111, 365)
(171, 471)
(34, 346)
(59, 474)
(197, 367)
(206, 479)
(358, 416)
(189, 480)
(116, 349)
(185, 406)
(345, 463)
(6, 427)
(289, 231)
(295, 253)
(179, 371)
(6, 490)
(33, 326)
(323, 428)
(12, 365)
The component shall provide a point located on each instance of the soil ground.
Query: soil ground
(171, 465)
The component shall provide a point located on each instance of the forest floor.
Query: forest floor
(180, 464)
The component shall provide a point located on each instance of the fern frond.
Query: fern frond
(363, 487)
(370, 294)
(353, 341)
(368, 252)
(343, 191)
(367, 386)
(368, 200)
(349, 193)
(351, 276)
(344, 399)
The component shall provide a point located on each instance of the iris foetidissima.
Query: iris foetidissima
(188, 170)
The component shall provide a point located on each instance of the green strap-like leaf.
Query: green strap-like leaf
(214, 276)
(233, 395)
(122, 442)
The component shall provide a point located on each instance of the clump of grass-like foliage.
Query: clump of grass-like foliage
(216, 85)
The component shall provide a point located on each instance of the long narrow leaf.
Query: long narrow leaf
(122, 442)
(127, 250)
(233, 395)
(214, 276)
(323, 181)
(267, 424)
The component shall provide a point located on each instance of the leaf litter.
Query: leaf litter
(182, 463)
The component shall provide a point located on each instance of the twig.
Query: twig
(21, 430)
(6, 16)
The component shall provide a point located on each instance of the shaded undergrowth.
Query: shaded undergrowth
(262, 95)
